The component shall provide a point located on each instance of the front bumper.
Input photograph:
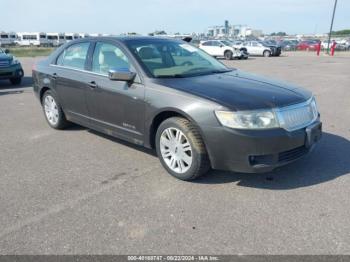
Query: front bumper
(256, 151)
(14, 71)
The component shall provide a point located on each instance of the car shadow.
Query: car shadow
(328, 161)
(27, 82)
(125, 143)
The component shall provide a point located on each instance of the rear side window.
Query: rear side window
(216, 43)
(107, 56)
(74, 56)
(207, 43)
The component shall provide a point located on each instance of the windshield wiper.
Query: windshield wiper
(221, 71)
(207, 71)
(170, 76)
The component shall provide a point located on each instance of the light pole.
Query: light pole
(330, 30)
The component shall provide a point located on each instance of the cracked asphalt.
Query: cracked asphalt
(80, 192)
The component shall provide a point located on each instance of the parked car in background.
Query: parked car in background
(222, 48)
(243, 51)
(171, 96)
(324, 44)
(308, 45)
(342, 46)
(288, 45)
(10, 67)
(254, 48)
(275, 48)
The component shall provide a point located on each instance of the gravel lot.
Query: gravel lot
(80, 192)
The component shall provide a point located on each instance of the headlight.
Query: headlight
(14, 62)
(248, 119)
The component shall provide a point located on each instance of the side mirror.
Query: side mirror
(121, 74)
(7, 51)
(221, 45)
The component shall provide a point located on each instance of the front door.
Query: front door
(116, 107)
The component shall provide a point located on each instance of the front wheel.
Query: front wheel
(16, 81)
(228, 55)
(53, 111)
(267, 53)
(181, 150)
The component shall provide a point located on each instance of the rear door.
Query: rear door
(218, 48)
(208, 47)
(70, 77)
(255, 48)
(116, 107)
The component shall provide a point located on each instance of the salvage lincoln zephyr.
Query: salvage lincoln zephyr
(169, 95)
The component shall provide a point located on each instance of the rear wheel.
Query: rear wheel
(53, 111)
(16, 81)
(181, 149)
(228, 55)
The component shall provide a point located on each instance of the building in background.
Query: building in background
(232, 31)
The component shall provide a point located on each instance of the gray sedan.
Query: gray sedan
(169, 95)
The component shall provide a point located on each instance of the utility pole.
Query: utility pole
(330, 31)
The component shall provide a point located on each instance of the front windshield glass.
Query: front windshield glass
(171, 58)
(1, 51)
(227, 43)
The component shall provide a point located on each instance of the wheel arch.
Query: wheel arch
(42, 92)
(162, 115)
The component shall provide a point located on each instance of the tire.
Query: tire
(16, 81)
(55, 111)
(168, 152)
(228, 55)
(267, 53)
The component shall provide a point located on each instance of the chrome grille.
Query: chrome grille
(297, 116)
(4, 63)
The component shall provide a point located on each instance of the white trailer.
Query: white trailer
(7, 39)
(55, 39)
(32, 39)
(83, 35)
(70, 36)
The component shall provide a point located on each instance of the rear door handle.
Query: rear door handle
(54, 76)
(92, 84)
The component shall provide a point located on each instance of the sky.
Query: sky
(184, 16)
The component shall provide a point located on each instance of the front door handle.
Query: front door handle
(92, 84)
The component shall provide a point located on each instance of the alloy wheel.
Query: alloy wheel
(51, 110)
(176, 150)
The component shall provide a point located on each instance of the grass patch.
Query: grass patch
(31, 51)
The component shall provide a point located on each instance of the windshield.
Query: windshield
(171, 58)
(1, 51)
(227, 43)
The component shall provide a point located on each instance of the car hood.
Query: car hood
(5, 57)
(238, 90)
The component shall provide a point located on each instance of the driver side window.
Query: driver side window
(107, 56)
